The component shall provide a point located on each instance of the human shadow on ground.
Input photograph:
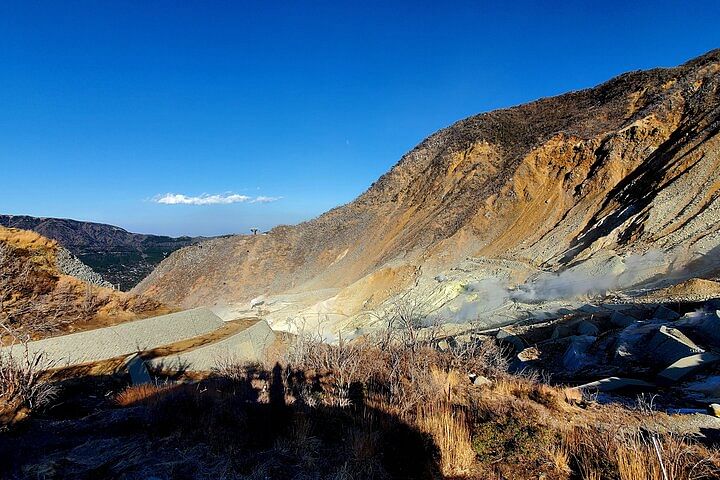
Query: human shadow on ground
(254, 425)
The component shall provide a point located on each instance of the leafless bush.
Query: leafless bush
(400, 322)
(479, 356)
(21, 382)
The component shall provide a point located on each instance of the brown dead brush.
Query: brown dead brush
(22, 383)
(143, 394)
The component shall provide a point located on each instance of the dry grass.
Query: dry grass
(451, 434)
(36, 299)
(143, 394)
(516, 427)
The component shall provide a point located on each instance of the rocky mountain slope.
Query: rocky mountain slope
(588, 178)
(41, 294)
(120, 257)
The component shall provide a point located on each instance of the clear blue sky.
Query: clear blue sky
(105, 107)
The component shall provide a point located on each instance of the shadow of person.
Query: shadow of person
(248, 432)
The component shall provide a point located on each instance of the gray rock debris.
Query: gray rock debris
(668, 345)
(69, 264)
(687, 365)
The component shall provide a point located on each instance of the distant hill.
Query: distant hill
(120, 257)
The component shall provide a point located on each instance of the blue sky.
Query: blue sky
(106, 107)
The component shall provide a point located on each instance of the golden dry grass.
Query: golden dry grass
(146, 393)
(450, 431)
(515, 427)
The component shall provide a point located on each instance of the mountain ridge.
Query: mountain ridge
(549, 183)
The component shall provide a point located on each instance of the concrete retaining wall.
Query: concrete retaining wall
(250, 345)
(125, 338)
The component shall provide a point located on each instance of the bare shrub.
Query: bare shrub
(21, 380)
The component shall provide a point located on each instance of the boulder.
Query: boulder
(668, 345)
(611, 384)
(481, 381)
(708, 386)
(619, 319)
(135, 366)
(576, 356)
(562, 331)
(503, 336)
(704, 325)
(687, 365)
(585, 327)
(529, 354)
(714, 409)
(591, 309)
(582, 327)
(664, 313)
(631, 341)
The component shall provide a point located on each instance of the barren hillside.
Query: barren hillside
(629, 165)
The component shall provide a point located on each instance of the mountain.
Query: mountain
(596, 178)
(120, 257)
(44, 290)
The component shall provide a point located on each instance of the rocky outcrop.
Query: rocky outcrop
(627, 166)
(69, 264)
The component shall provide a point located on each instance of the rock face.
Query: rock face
(120, 257)
(627, 166)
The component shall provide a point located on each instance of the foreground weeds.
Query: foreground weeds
(23, 387)
(368, 410)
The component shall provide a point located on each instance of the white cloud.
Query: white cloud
(206, 199)
(262, 199)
